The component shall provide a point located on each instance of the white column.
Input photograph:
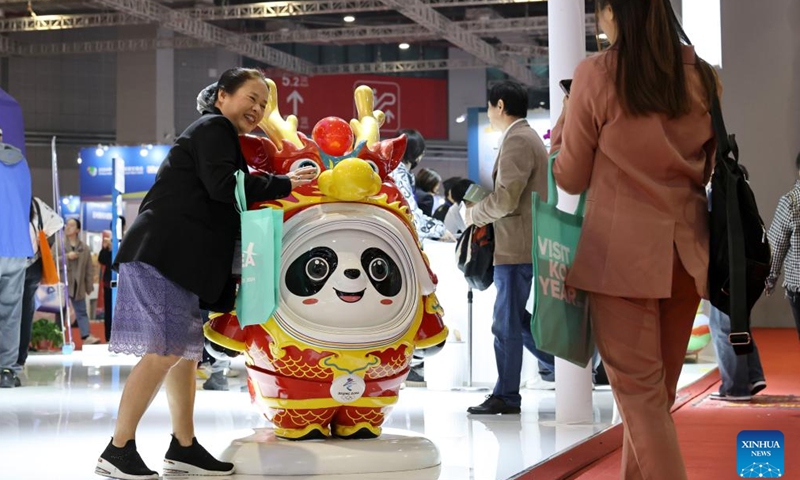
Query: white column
(567, 42)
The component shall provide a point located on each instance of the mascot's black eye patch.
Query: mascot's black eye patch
(308, 273)
(382, 272)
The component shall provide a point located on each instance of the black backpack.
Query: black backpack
(475, 256)
(740, 254)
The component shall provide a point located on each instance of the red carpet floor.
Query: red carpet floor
(707, 429)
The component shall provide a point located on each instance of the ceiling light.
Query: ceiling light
(349, 19)
(404, 46)
(461, 118)
(80, 160)
(603, 36)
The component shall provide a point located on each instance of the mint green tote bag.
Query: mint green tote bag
(560, 320)
(258, 295)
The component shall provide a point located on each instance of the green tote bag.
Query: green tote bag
(262, 230)
(560, 321)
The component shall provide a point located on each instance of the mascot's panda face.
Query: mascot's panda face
(346, 279)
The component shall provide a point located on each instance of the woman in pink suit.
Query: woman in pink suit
(636, 135)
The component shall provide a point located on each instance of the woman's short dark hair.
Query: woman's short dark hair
(230, 81)
(514, 97)
(233, 79)
(427, 180)
(460, 189)
(415, 147)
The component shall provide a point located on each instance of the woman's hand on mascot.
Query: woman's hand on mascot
(302, 176)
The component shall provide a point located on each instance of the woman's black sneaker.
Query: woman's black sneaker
(123, 463)
(193, 460)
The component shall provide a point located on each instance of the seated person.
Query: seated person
(428, 185)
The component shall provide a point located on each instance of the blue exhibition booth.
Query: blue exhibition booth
(97, 179)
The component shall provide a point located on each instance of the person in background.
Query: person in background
(454, 221)
(742, 375)
(165, 280)
(427, 227)
(520, 170)
(441, 210)
(636, 136)
(80, 278)
(15, 249)
(104, 259)
(784, 238)
(428, 185)
(43, 218)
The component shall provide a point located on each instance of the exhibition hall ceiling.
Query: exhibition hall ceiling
(509, 35)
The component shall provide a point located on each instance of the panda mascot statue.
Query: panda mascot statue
(356, 291)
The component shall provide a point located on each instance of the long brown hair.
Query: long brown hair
(650, 75)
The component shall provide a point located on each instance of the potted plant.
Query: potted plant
(46, 335)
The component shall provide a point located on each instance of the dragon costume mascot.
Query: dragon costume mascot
(356, 291)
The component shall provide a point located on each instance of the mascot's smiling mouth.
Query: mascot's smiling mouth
(350, 297)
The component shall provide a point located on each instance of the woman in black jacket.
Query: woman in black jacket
(177, 256)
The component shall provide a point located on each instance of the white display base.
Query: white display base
(265, 455)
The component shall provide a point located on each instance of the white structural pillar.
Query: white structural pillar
(567, 42)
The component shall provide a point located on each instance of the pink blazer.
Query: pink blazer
(646, 180)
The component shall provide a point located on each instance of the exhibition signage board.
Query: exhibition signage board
(97, 216)
(141, 166)
(70, 207)
(419, 103)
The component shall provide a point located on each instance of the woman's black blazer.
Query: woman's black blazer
(188, 224)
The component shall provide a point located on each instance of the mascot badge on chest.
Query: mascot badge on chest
(356, 292)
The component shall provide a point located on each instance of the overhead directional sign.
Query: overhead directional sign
(418, 103)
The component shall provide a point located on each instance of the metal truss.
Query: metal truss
(391, 33)
(108, 46)
(8, 47)
(323, 7)
(23, 2)
(529, 51)
(399, 67)
(66, 22)
(191, 27)
(440, 25)
(409, 66)
(254, 10)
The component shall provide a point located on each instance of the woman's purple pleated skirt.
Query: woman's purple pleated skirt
(155, 315)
